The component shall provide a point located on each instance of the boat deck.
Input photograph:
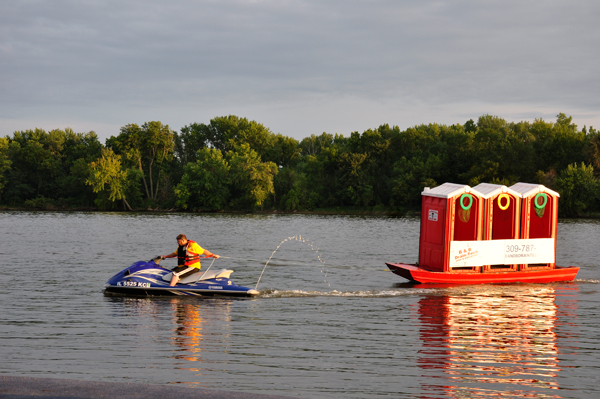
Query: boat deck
(421, 275)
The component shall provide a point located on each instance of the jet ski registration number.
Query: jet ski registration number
(133, 284)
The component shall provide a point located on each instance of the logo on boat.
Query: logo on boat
(464, 254)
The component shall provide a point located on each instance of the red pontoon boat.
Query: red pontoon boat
(487, 234)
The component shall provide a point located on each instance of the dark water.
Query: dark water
(331, 321)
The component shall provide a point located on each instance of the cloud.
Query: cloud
(335, 66)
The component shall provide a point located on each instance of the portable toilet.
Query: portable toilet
(539, 216)
(501, 217)
(449, 212)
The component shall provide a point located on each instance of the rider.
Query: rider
(188, 258)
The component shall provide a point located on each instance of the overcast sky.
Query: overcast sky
(297, 67)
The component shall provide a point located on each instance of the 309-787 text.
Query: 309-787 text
(519, 248)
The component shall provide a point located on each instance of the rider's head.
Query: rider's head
(181, 239)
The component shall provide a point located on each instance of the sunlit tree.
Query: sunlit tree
(147, 148)
(107, 175)
(251, 179)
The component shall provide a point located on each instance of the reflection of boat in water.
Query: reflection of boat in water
(487, 234)
(150, 279)
(490, 343)
(196, 325)
(194, 328)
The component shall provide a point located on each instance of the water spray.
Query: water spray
(299, 239)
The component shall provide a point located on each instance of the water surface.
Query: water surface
(331, 320)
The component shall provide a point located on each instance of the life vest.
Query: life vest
(185, 256)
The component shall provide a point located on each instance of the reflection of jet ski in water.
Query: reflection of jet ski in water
(150, 279)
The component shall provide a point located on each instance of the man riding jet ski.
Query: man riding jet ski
(188, 258)
(149, 279)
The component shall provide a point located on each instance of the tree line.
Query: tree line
(234, 164)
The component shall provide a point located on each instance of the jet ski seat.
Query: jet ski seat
(223, 273)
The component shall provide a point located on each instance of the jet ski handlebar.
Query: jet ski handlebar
(157, 259)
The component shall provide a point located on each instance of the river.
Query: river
(331, 321)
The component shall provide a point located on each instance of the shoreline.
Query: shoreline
(56, 388)
(337, 211)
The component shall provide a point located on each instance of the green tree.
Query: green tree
(421, 156)
(5, 163)
(353, 171)
(410, 177)
(251, 179)
(319, 163)
(455, 152)
(38, 157)
(107, 175)
(314, 145)
(225, 133)
(48, 165)
(282, 150)
(80, 149)
(148, 148)
(301, 187)
(579, 190)
(501, 151)
(592, 150)
(291, 185)
(371, 174)
(205, 182)
(192, 138)
(558, 144)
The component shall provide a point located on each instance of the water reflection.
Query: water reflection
(494, 341)
(196, 329)
(188, 319)
(199, 327)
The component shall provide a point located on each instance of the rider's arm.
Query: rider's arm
(209, 254)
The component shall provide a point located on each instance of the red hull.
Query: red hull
(415, 273)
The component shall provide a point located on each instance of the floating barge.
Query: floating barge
(487, 234)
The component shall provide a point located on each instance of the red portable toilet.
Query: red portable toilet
(501, 217)
(539, 216)
(450, 212)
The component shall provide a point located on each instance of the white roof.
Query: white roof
(488, 190)
(446, 190)
(529, 189)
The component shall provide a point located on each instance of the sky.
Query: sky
(298, 67)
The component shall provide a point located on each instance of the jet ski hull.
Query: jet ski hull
(150, 279)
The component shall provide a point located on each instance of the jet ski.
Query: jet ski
(149, 279)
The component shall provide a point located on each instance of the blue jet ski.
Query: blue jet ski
(150, 279)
